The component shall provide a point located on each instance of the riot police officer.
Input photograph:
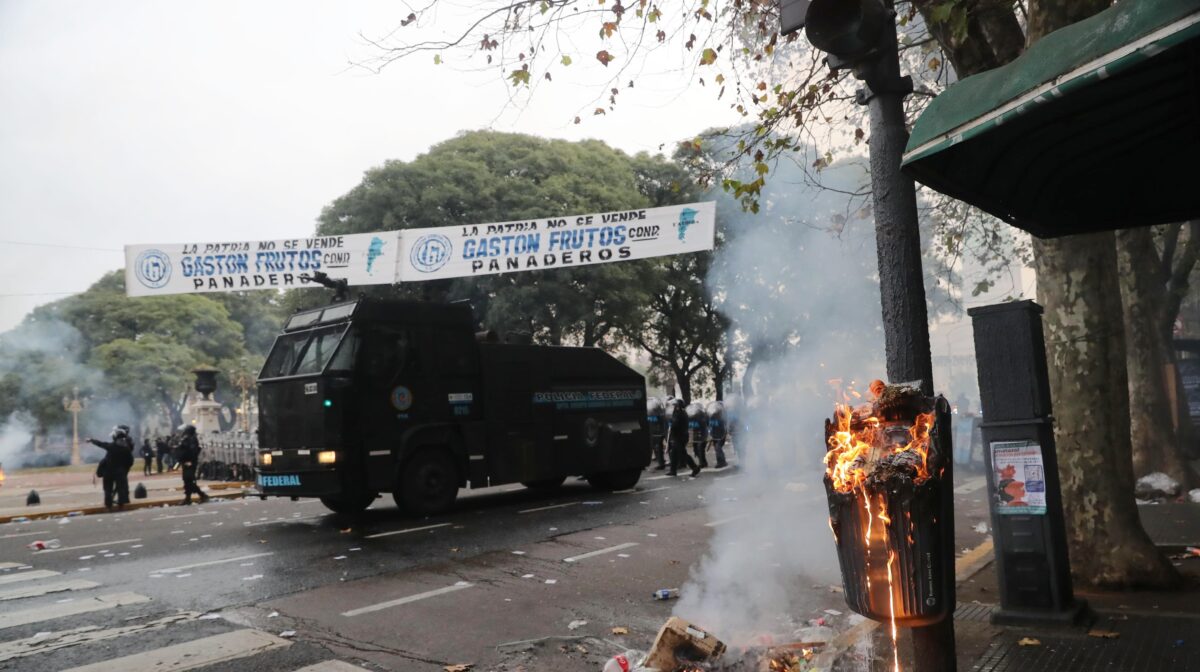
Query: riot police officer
(677, 435)
(656, 419)
(698, 428)
(189, 457)
(718, 430)
(113, 469)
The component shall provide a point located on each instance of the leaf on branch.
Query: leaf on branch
(578, 120)
(437, 59)
(708, 57)
(940, 13)
(598, 111)
(409, 19)
(521, 76)
(608, 28)
(661, 35)
(566, 60)
(691, 41)
(604, 57)
(548, 78)
(762, 86)
(654, 15)
(935, 63)
(858, 135)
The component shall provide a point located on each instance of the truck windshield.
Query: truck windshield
(302, 353)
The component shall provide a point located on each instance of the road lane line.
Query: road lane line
(332, 666)
(175, 570)
(13, 619)
(27, 576)
(187, 515)
(411, 529)
(406, 600)
(722, 521)
(547, 508)
(194, 654)
(610, 549)
(21, 534)
(971, 485)
(76, 548)
(282, 520)
(10, 565)
(45, 589)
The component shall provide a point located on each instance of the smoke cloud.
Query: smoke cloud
(800, 285)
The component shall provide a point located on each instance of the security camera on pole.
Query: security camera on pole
(860, 35)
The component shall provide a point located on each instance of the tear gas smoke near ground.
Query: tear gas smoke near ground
(40, 362)
(807, 302)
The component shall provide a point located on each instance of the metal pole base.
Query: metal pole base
(933, 647)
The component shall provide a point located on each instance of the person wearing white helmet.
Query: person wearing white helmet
(113, 470)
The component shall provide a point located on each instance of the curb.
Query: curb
(132, 506)
(965, 567)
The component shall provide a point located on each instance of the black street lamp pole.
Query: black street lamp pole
(861, 34)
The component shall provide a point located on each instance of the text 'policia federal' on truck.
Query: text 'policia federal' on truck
(370, 396)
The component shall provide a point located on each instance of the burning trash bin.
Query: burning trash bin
(889, 487)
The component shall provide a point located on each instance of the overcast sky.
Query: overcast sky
(154, 122)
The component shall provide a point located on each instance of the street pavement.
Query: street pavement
(511, 579)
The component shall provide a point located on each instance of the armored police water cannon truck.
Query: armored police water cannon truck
(368, 396)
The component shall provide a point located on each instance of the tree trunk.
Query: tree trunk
(1085, 345)
(684, 380)
(1155, 441)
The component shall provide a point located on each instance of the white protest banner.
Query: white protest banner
(555, 242)
(186, 268)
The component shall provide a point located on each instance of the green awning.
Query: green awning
(1095, 127)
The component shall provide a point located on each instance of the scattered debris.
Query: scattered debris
(833, 612)
(33, 499)
(666, 593)
(461, 667)
(1103, 634)
(575, 625)
(63, 521)
(1156, 486)
(1194, 495)
(981, 528)
(347, 530)
(620, 630)
(41, 545)
(624, 662)
(1029, 641)
(551, 582)
(209, 617)
(273, 614)
(679, 643)
(339, 557)
(288, 633)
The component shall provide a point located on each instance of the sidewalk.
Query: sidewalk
(68, 489)
(1133, 631)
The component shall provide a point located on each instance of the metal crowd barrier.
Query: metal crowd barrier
(228, 457)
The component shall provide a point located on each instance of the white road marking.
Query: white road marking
(46, 642)
(718, 523)
(13, 619)
(547, 508)
(657, 478)
(332, 666)
(194, 654)
(411, 529)
(658, 489)
(406, 600)
(20, 534)
(174, 570)
(971, 485)
(45, 589)
(610, 549)
(187, 515)
(27, 576)
(10, 565)
(82, 546)
(283, 520)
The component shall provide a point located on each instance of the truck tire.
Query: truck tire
(349, 504)
(428, 483)
(615, 480)
(545, 484)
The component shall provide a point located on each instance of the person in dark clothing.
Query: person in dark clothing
(717, 431)
(677, 436)
(161, 449)
(656, 419)
(114, 468)
(189, 457)
(147, 456)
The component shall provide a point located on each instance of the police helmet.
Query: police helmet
(189, 430)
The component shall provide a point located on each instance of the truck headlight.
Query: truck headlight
(326, 457)
(264, 459)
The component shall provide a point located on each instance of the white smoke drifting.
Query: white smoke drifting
(806, 300)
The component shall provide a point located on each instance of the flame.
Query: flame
(2, 475)
(857, 446)
(891, 589)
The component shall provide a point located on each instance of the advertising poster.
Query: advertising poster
(1020, 478)
(232, 266)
